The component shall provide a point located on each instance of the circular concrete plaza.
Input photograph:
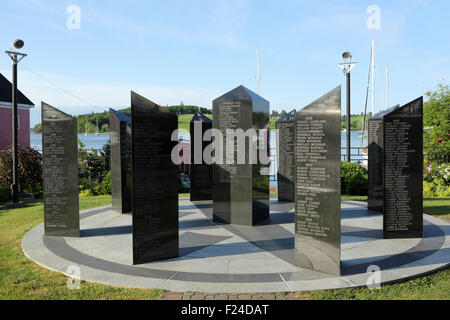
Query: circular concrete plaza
(229, 258)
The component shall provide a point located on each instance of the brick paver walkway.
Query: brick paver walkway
(232, 296)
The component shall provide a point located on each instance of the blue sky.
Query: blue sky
(194, 51)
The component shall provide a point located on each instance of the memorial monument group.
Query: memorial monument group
(145, 179)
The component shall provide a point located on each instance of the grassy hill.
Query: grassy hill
(87, 122)
(185, 119)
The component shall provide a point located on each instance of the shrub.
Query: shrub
(101, 186)
(436, 180)
(30, 169)
(353, 179)
(5, 194)
(106, 154)
(90, 164)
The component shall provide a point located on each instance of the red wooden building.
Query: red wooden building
(23, 111)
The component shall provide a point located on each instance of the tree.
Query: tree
(436, 118)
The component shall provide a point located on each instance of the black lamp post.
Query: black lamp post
(16, 57)
(347, 66)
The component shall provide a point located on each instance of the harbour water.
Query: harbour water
(92, 141)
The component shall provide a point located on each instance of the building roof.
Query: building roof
(6, 93)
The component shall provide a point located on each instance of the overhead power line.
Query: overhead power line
(58, 87)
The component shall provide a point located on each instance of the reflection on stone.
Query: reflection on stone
(201, 173)
(59, 152)
(396, 169)
(155, 182)
(240, 191)
(120, 153)
(317, 184)
(286, 160)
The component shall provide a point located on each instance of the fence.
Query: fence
(358, 155)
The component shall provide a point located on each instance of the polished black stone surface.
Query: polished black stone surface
(154, 181)
(375, 161)
(60, 164)
(120, 153)
(286, 160)
(396, 169)
(318, 185)
(201, 173)
(240, 191)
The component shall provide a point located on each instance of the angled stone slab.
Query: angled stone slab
(396, 169)
(375, 161)
(201, 173)
(120, 153)
(318, 185)
(240, 191)
(60, 158)
(286, 160)
(154, 181)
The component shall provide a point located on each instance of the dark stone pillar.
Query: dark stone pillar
(201, 173)
(396, 169)
(120, 153)
(155, 182)
(241, 191)
(60, 157)
(286, 157)
(318, 185)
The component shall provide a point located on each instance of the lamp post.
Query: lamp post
(16, 57)
(347, 66)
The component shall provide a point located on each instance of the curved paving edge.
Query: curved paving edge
(34, 248)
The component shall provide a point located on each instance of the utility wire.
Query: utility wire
(58, 87)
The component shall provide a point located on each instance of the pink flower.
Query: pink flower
(429, 169)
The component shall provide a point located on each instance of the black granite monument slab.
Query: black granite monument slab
(241, 191)
(397, 182)
(201, 173)
(375, 160)
(286, 159)
(154, 181)
(120, 153)
(318, 184)
(60, 172)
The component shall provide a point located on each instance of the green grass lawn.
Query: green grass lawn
(184, 121)
(434, 286)
(438, 207)
(20, 278)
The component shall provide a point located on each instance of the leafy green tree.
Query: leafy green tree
(436, 119)
(37, 128)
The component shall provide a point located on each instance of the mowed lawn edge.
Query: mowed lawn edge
(21, 278)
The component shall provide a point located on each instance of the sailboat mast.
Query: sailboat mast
(373, 77)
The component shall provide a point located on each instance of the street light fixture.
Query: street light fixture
(347, 66)
(16, 57)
